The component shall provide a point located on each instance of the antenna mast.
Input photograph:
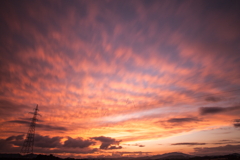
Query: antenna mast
(28, 143)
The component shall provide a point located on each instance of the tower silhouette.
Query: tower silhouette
(28, 143)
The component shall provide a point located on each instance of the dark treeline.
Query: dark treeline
(234, 156)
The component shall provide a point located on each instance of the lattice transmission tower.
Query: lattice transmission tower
(28, 143)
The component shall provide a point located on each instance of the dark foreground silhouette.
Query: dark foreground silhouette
(169, 156)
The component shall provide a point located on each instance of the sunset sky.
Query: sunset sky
(121, 77)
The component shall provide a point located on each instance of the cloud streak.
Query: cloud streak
(215, 110)
(45, 127)
(183, 120)
(189, 144)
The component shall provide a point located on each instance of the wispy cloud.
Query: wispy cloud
(45, 127)
(213, 99)
(183, 120)
(189, 144)
(215, 110)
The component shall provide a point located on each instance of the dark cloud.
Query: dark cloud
(183, 120)
(45, 127)
(39, 141)
(189, 144)
(214, 110)
(20, 122)
(7, 147)
(211, 110)
(141, 145)
(78, 142)
(212, 99)
(220, 150)
(18, 137)
(236, 123)
(107, 142)
(15, 140)
(47, 142)
(115, 147)
(43, 143)
(173, 122)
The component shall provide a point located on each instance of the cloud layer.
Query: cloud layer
(60, 144)
(108, 142)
